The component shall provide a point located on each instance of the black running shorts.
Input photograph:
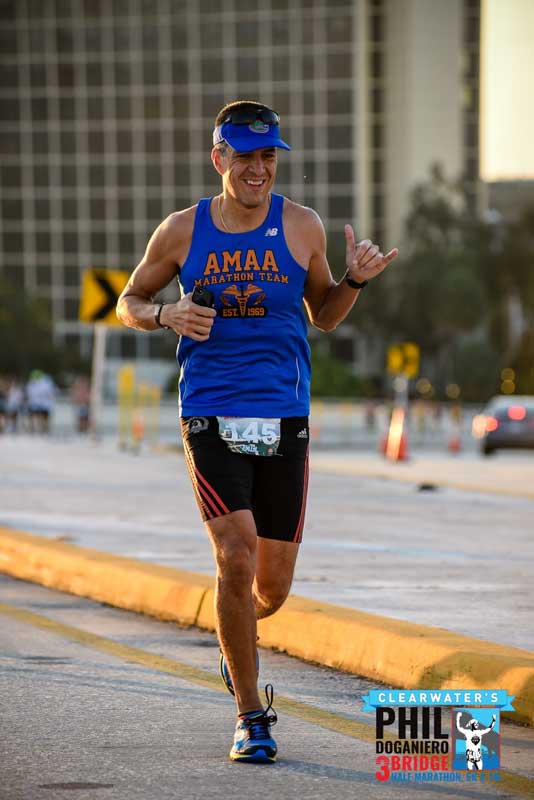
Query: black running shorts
(274, 488)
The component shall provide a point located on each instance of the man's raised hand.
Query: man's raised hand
(364, 259)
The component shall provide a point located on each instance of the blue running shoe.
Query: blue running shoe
(253, 741)
(225, 672)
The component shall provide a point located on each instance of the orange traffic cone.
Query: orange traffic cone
(397, 441)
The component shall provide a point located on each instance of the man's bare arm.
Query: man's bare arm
(136, 307)
(328, 302)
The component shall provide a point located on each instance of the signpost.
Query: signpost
(403, 362)
(100, 292)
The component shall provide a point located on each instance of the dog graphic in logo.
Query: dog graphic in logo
(247, 306)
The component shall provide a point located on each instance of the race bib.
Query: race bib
(251, 436)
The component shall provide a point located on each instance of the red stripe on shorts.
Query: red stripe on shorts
(300, 527)
(209, 499)
(194, 482)
(209, 488)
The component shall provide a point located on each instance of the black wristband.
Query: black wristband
(354, 284)
(157, 315)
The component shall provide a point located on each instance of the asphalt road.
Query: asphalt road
(103, 704)
(450, 558)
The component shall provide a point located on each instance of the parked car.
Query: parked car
(507, 421)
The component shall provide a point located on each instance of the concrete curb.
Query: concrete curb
(396, 653)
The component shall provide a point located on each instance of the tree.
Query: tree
(26, 333)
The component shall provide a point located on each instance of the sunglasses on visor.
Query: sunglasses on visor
(243, 116)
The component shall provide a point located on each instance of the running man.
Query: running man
(473, 740)
(245, 377)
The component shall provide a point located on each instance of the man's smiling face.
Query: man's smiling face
(248, 177)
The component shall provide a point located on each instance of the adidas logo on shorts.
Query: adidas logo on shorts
(303, 434)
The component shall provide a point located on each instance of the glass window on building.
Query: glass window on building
(340, 172)
(182, 176)
(96, 142)
(37, 75)
(11, 176)
(339, 65)
(39, 106)
(339, 101)
(123, 107)
(72, 307)
(68, 175)
(67, 108)
(42, 208)
(152, 107)
(151, 70)
(95, 108)
(340, 137)
(340, 207)
(97, 176)
(72, 276)
(152, 141)
(210, 35)
(154, 211)
(280, 67)
(122, 73)
(94, 76)
(69, 206)
(279, 32)
(211, 69)
(338, 26)
(127, 249)
(12, 209)
(10, 109)
(67, 142)
(282, 103)
(93, 40)
(9, 143)
(247, 69)
(124, 141)
(98, 243)
(247, 33)
(125, 176)
(97, 208)
(65, 75)
(43, 242)
(376, 25)
(13, 242)
(41, 175)
(126, 207)
(43, 274)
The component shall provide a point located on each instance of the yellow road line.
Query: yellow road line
(518, 784)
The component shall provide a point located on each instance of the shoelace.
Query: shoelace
(258, 726)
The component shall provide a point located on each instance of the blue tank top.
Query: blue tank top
(256, 362)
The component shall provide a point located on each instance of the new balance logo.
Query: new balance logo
(271, 232)
(303, 434)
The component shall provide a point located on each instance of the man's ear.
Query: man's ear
(217, 159)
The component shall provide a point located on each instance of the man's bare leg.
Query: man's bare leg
(234, 538)
(275, 564)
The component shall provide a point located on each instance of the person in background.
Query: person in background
(14, 404)
(80, 396)
(41, 401)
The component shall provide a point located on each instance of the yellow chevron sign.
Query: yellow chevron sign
(100, 291)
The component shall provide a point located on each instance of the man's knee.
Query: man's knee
(270, 597)
(234, 544)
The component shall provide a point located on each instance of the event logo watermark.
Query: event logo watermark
(429, 748)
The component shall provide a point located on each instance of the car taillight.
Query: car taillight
(517, 412)
(491, 424)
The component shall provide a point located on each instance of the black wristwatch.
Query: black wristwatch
(354, 284)
(157, 316)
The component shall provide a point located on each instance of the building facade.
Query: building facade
(108, 108)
